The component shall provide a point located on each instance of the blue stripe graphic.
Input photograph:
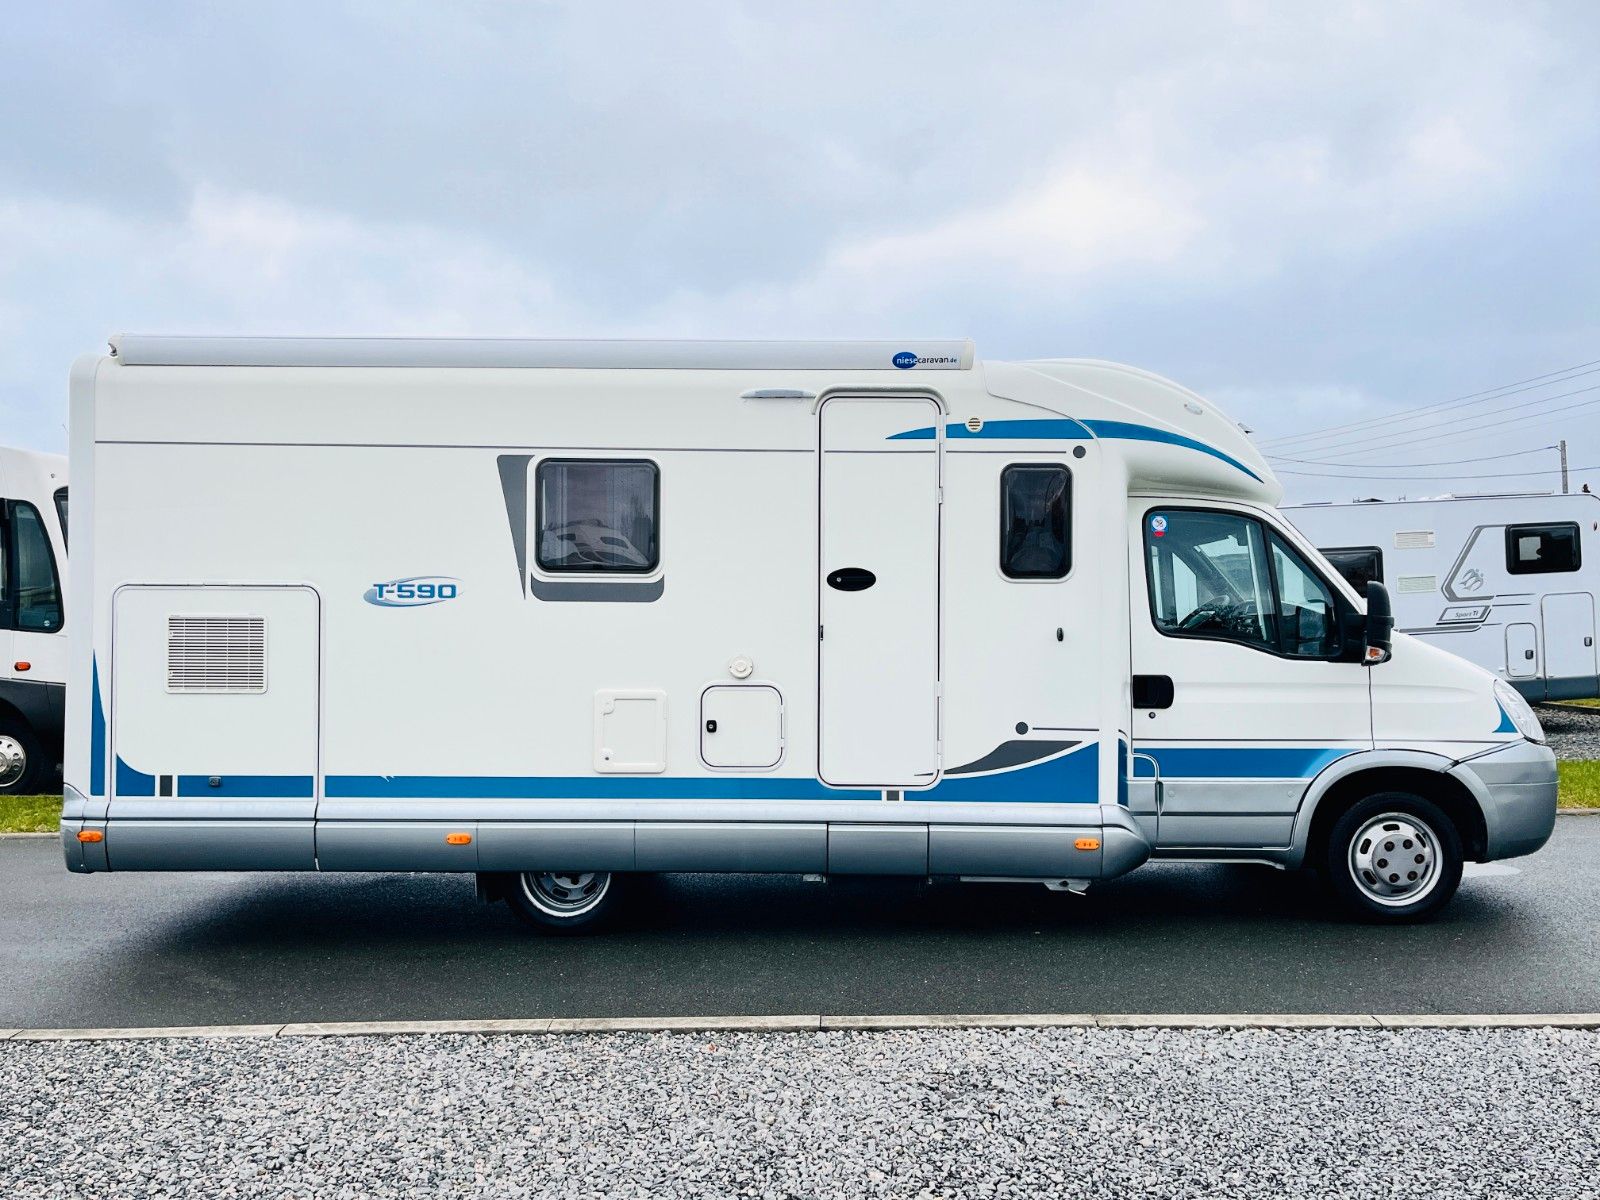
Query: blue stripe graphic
(1071, 778)
(1236, 762)
(97, 735)
(1054, 429)
(132, 782)
(286, 787)
(1507, 725)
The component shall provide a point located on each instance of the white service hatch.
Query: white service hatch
(741, 726)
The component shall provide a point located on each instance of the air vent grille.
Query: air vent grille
(1418, 583)
(1414, 539)
(217, 655)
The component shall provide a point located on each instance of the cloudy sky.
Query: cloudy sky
(1316, 214)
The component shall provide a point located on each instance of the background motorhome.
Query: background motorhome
(1503, 581)
(33, 649)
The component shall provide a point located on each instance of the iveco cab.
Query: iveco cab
(556, 613)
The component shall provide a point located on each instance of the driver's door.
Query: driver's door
(1238, 694)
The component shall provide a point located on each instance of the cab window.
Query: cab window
(30, 589)
(1226, 577)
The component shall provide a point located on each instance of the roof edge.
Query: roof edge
(137, 350)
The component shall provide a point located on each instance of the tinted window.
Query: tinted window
(28, 580)
(1542, 549)
(1360, 565)
(61, 511)
(598, 515)
(1035, 521)
(1224, 577)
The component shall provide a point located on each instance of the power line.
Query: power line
(1455, 462)
(1408, 478)
(1493, 393)
(1356, 446)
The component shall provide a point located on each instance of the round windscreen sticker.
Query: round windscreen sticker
(1158, 525)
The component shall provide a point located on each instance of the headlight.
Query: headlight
(1519, 710)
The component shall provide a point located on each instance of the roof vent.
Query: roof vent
(217, 655)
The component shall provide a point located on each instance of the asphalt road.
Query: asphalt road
(184, 949)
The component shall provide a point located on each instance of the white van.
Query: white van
(33, 643)
(558, 612)
(1500, 580)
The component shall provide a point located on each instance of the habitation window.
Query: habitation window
(1360, 565)
(598, 515)
(1542, 549)
(61, 511)
(30, 589)
(1035, 521)
(1223, 577)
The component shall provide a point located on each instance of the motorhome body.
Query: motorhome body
(556, 611)
(1499, 580)
(33, 643)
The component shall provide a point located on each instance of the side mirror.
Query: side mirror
(1380, 625)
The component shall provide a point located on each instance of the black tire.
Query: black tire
(1393, 858)
(563, 902)
(21, 759)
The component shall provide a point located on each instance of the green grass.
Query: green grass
(1576, 703)
(1580, 784)
(30, 814)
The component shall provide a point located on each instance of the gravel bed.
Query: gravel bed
(1574, 733)
(959, 1113)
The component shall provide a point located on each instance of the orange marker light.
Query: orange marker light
(1086, 844)
(22, 666)
(91, 835)
(458, 839)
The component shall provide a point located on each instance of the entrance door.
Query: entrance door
(878, 657)
(1569, 651)
(1238, 697)
(1522, 650)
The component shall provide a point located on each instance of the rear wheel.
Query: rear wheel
(1394, 857)
(20, 766)
(563, 901)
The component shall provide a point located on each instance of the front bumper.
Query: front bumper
(1516, 789)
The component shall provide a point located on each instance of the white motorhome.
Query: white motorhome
(1500, 580)
(33, 643)
(557, 612)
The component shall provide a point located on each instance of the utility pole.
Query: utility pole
(1563, 448)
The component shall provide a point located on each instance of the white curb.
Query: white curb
(829, 1024)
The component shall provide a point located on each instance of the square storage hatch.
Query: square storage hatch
(741, 726)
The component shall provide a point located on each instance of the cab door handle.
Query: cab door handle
(1152, 691)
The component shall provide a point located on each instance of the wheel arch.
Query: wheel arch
(1347, 781)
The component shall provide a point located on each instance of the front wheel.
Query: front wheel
(1393, 858)
(20, 758)
(563, 901)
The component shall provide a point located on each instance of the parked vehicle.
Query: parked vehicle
(33, 644)
(1499, 580)
(558, 612)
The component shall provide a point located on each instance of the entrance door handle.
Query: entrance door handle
(851, 579)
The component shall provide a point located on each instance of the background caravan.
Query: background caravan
(558, 612)
(33, 643)
(1502, 581)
